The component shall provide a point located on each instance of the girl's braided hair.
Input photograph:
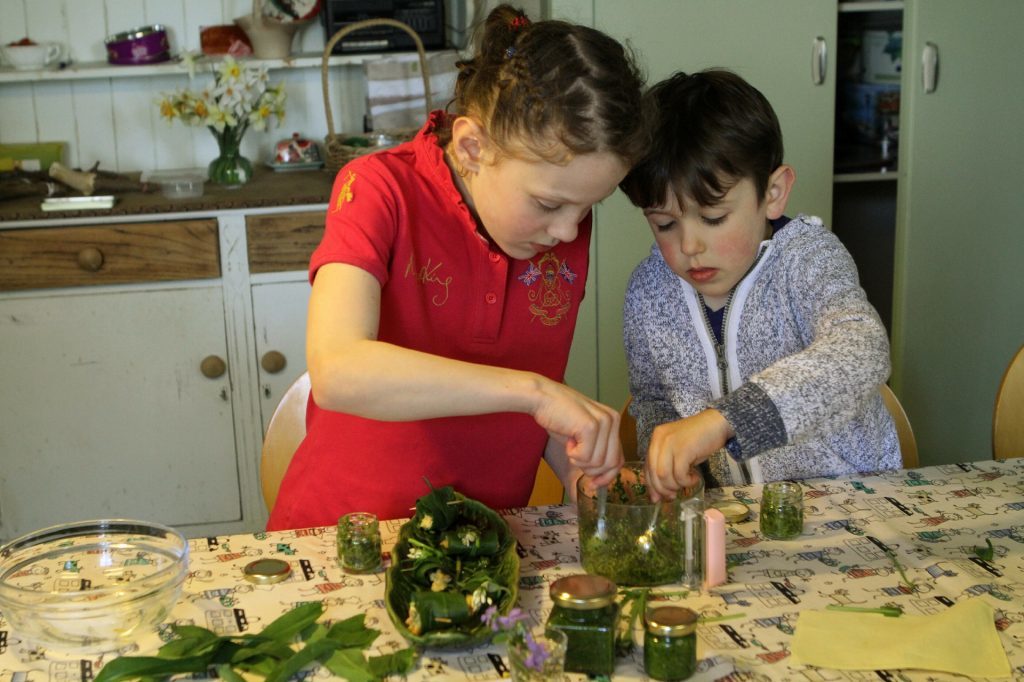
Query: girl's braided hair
(551, 89)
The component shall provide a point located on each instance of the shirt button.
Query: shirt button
(495, 257)
(491, 298)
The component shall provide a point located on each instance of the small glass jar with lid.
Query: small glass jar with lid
(359, 548)
(584, 608)
(670, 643)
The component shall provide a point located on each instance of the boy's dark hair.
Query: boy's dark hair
(711, 129)
(551, 87)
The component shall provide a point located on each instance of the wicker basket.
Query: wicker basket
(338, 153)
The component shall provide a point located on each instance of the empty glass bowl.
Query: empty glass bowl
(91, 585)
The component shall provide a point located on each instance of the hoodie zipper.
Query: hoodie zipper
(721, 359)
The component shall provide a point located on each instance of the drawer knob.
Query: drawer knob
(90, 259)
(212, 367)
(273, 361)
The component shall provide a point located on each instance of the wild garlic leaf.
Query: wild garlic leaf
(352, 632)
(986, 553)
(317, 651)
(133, 667)
(350, 664)
(397, 663)
(285, 627)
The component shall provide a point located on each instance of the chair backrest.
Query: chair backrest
(908, 444)
(287, 428)
(627, 433)
(1008, 415)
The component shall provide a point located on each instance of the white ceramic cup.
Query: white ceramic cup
(30, 57)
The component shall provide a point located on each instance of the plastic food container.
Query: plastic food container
(178, 184)
(91, 585)
(633, 541)
(142, 45)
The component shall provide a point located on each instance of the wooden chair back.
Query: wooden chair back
(287, 428)
(908, 444)
(1008, 415)
(285, 432)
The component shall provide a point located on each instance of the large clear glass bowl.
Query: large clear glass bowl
(91, 585)
(633, 541)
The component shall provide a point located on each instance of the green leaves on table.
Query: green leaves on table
(270, 653)
(986, 553)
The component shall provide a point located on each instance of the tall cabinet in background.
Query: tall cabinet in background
(939, 239)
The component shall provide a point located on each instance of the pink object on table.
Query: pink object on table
(714, 548)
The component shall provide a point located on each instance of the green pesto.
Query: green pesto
(591, 635)
(670, 658)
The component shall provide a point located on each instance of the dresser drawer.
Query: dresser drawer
(112, 254)
(283, 242)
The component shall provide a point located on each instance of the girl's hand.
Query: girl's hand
(588, 430)
(677, 448)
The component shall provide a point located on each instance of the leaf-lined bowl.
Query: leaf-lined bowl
(400, 587)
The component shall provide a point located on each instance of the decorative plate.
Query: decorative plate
(400, 582)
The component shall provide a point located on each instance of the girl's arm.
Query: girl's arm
(351, 371)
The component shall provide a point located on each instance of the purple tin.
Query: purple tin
(143, 45)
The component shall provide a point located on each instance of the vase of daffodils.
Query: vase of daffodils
(240, 98)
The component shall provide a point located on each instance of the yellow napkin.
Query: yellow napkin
(962, 639)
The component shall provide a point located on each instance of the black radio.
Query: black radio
(426, 17)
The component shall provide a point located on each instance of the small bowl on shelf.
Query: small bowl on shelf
(91, 586)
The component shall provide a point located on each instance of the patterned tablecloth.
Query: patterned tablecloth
(933, 518)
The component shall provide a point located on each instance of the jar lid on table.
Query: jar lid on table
(583, 591)
(670, 621)
(267, 571)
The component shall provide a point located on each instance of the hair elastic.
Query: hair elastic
(510, 52)
(519, 22)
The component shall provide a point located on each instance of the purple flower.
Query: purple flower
(538, 653)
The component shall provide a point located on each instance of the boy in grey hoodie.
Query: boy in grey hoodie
(751, 345)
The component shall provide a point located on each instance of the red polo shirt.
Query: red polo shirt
(448, 291)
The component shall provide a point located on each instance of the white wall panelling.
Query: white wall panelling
(115, 121)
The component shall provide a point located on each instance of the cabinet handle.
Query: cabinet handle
(212, 367)
(819, 60)
(930, 67)
(273, 361)
(90, 259)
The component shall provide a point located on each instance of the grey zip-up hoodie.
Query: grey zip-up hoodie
(798, 372)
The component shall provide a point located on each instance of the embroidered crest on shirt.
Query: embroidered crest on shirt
(345, 192)
(550, 292)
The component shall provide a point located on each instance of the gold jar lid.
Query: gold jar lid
(670, 621)
(267, 571)
(734, 511)
(583, 591)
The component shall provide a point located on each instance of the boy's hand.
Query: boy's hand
(677, 448)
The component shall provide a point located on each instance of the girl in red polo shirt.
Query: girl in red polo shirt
(447, 285)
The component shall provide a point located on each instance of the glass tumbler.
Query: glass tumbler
(359, 542)
(782, 510)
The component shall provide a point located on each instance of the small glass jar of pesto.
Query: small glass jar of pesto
(584, 608)
(359, 542)
(782, 510)
(670, 643)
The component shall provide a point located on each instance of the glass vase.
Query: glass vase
(537, 657)
(230, 168)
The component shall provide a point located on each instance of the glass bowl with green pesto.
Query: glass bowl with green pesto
(631, 540)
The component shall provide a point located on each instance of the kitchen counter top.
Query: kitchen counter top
(267, 188)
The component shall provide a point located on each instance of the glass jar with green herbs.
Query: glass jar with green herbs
(629, 539)
(782, 510)
(359, 548)
(670, 643)
(584, 608)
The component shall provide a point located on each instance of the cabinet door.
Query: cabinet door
(105, 412)
(279, 311)
(768, 43)
(959, 291)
